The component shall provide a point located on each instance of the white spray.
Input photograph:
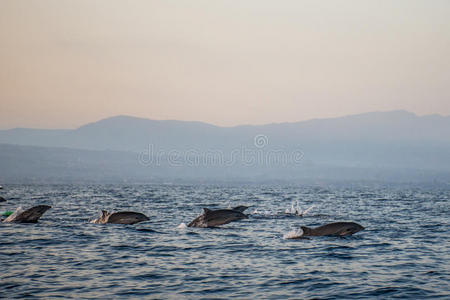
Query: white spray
(293, 234)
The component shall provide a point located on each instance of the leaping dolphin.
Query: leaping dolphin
(122, 217)
(30, 215)
(338, 228)
(213, 218)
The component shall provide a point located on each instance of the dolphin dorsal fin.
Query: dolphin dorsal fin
(306, 230)
(206, 210)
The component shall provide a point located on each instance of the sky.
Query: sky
(66, 63)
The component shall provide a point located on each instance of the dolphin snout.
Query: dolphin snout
(358, 228)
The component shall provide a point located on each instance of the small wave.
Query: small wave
(293, 234)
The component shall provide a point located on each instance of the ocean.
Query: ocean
(403, 252)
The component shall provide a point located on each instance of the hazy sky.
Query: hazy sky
(66, 63)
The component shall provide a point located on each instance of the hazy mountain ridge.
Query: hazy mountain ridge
(395, 145)
(124, 133)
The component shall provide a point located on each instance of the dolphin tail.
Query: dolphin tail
(102, 219)
(306, 230)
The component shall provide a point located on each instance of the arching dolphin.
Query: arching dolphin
(213, 218)
(122, 217)
(30, 215)
(2, 199)
(338, 228)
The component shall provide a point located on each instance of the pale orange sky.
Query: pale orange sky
(66, 63)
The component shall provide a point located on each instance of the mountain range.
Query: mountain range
(395, 145)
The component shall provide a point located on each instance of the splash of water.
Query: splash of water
(298, 210)
(182, 226)
(308, 209)
(294, 210)
(293, 234)
(291, 210)
(263, 212)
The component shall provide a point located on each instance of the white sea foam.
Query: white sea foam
(182, 226)
(293, 234)
(262, 212)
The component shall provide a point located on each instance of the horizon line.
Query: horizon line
(233, 126)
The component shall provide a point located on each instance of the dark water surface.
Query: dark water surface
(403, 253)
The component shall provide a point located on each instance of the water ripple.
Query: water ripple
(403, 253)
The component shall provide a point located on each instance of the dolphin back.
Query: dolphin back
(213, 218)
(30, 215)
(338, 228)
(126, 217)
(222, 217)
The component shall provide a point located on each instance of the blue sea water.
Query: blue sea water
(403, 252)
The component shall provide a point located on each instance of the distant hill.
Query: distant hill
(396, 142)
(125, 133)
